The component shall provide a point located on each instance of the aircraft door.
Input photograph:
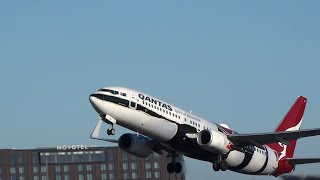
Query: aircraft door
(133, 101)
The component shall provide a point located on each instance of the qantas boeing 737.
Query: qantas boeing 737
(165, 129)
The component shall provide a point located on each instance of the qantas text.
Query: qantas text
(156, 102)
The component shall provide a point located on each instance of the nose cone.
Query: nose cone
(94, 101)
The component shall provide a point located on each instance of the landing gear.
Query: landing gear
(174, 166)
(111, 131)
(220, 164)
(216, 166)
(110, 120)
(223, 165)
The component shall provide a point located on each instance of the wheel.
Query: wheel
(113, 131)
(170, 168)
(216, 166)
(223, 165)
(109, 131)
(177, 167)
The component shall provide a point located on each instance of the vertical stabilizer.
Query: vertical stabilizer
(291, 122)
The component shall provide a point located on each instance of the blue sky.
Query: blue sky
(237, 62)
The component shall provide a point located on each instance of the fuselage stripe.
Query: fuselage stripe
(265, 163)
(244, 163)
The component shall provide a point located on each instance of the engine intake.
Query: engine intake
(213, 141)
(136, 145)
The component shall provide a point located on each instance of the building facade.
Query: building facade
(82, 163)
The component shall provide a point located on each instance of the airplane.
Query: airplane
(167, 130)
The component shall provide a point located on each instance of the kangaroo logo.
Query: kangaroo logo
(284, 151)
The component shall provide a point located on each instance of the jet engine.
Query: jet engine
(136, 145)
(213, 141)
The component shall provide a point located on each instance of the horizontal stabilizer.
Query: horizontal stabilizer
(296, 161)
(266, 138)
(96, 132)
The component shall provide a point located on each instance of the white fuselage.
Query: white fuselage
(161, 121)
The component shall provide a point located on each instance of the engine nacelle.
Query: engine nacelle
(136, 145)
(213, 141)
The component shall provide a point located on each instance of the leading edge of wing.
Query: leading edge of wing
(266, 138)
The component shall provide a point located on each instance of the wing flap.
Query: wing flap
(266, 138)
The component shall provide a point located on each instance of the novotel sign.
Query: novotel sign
(74, 147)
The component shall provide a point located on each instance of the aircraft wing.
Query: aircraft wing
(296, 161)
(273, 137)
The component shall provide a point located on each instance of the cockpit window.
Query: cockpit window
(123, 94)
(110, 91)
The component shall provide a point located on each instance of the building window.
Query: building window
(110, 155)
(125, 166)
(35, 169)
(12, 158)
(67, 177)
(13, 177)
(124, 156)
(65, 168)
(80, 167)
(20, 159)
(148, 174)
(134, 175)
(133, 158)
(89, 167)
(111, 176)
(35, 177)
(43, 169)
(157, 174)
(103, 176)
(148, 165)
(21, 177)
(111, 167)
(35, 158)
(44, 177)
(156, 165)
(133, 165)
(125, 175)
(80, 177)
(12, 170)
(21, 170)
(89, 176)
(58, 177)
(58, 168)
(103, 167)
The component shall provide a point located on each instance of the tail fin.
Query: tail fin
(291, 122)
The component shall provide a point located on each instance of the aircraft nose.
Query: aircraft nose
(92, 99)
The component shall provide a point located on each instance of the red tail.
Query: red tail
(291, 122)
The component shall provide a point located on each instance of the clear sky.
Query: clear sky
(237, 62)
